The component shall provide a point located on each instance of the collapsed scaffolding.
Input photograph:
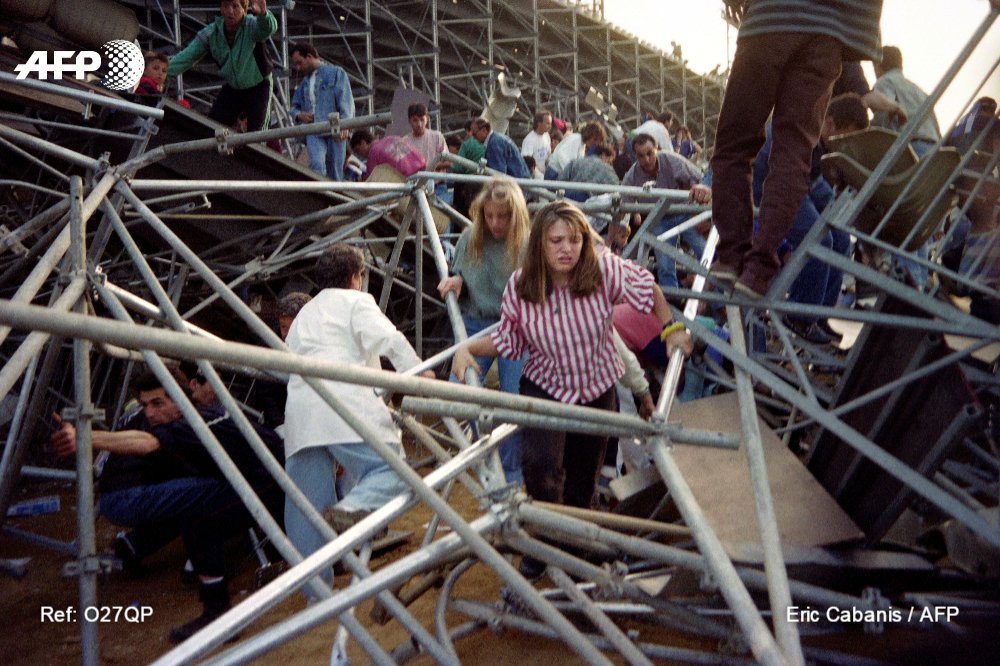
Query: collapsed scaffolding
(454, 53)
(102, 286)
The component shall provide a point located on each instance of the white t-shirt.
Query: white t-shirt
(658, 131)
(570, 148)
(538, 146)
(346, 326)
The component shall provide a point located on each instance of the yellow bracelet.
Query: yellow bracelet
(670, 329)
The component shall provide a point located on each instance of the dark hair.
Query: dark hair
(540, 118)
(665, 117)
(892, 58)
(534, 284)
(417, 109)
(359, 136)
(481, 123)
(151, 56)
(848, 112)
(555, 135)
(593, 131)
(305, 50)
(604, 150)
(148, 381)
(529, 161)
(453, 141)
(337, 265)
(643, 138)
(190, 371)
(290, 304)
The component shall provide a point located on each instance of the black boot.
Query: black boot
(126, 552)
(215, 601)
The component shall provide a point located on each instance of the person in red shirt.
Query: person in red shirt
(155, 74)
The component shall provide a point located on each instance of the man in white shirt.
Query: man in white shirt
(897, 88)
(537, 143)
(658, 127)
(341, 323)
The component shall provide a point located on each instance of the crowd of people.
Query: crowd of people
(564, 301)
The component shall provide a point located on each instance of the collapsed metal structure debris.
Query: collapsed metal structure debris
(106, 244)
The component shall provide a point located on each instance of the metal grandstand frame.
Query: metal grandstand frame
(782, 375)
(453, 51)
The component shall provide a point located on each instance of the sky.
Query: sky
(930, 33)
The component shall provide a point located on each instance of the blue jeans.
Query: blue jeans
(510, 382)
(205, 511)
(666, 267)
(326, 156)
(818, 283)
(312, 469)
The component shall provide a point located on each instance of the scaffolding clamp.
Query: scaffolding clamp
(334, 120)
(89, 564)
(222, 141)
(74, 414)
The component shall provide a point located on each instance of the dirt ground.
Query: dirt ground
(29, 639)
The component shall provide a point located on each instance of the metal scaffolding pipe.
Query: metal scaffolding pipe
(84, 413)
(181, 345)
(602, 622)
(84, 96)
(594, 425)
(26, 352)
(767, 524)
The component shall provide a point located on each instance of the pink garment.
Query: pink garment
(430, 144)
(397, 153)
(636, 328)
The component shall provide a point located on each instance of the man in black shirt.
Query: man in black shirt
(161, 479)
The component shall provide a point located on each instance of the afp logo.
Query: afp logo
(124, 61)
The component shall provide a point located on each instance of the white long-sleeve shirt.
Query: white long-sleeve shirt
(346, 326)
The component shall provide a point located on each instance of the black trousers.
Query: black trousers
(254, 103)
(562, 467)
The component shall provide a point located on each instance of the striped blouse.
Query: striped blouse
(855, 23)
(568, 339)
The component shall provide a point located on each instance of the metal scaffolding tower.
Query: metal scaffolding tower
(453, 52)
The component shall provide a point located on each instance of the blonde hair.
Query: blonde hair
(501, 191)
(534, 284)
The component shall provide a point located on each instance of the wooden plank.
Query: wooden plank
(720, 481)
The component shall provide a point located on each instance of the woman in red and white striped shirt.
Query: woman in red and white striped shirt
(558, 307)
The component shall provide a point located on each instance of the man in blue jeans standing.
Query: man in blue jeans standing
(161, 479)
(324, 90)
